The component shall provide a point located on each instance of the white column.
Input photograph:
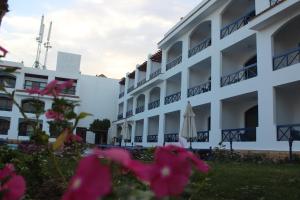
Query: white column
(163, 61)
(145, 131)
(149, 67)
(216, 125)
(133, 131)
(161, 129)
(185, 48)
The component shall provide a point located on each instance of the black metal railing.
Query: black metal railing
(120, 116)
(242, 74)
(121, 94)
(174, 62)
(239, 135)
(155, 73)
(288, 132)
(154, 104)
(275, 2)
(142, 82)
(205, 87)
(130, 89)
(172, 98)
(284, 60)
(138, 139)
(140, 109)
(129, 113)
(202, 136)
(152, 138)
(237, 24)
(171, 137)
(203, 45)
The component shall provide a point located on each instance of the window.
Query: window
(26, 127)
(4, 125)
(6, 103)
(33, 106)
(8, 81)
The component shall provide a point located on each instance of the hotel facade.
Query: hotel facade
(237, 62)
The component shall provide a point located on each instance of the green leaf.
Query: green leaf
(60, 140)
(83, 115)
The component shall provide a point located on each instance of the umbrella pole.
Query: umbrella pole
(190, 143)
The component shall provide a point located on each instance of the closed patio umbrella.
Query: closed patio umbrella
(188, 130)
(125, 131)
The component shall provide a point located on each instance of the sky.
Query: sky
(113, 36)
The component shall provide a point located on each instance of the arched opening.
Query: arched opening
(7, 80)
(154, 99)
(174, 55)
(4, 126)
(140, 104)
(286, 44)
(6, 103)
(33, 106)
(200, 38)
(234, 19)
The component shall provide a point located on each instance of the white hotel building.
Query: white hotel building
(237, 62)
(91, 92)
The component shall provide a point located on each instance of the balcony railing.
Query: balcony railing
(275, 2)
(203, 45)
(290, 58)
(142, 82)
(171, 137)
(289, 132)
(172, 98)
(120, 116)
(237, 24)
(154, 104)
(130, 89)
(152, 138)
(174, 62)
(243, 74)
(138, 139)
(140, 109)
(155, 74)
(202, 136)
(129, 113)
(239, 135)
(205, 87)
(121, 94)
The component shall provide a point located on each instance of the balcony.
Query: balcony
(152, 138)
(120, 116)
(142, 82)
(275, 2)
(237, 24)
(35, 85)
(202, 136)
(7, 80)
(171, 137)
(155, 74)
(138, 139)
(130, 89)
(239, 135)
(287, 59)
(205, 87)
(240, 75)
(129, 113)
(288, 132)
(173, 63)
(173, 98)
(139, 109)
(154, 104)
(198, 48)
(121, 95)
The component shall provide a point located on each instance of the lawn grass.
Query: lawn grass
(246, 181)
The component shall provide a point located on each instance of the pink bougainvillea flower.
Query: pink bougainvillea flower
(52, 89)
(8, 170)
(117, 155)
(73, 138)
(50, 114)
(92, 180)
(66, 85)
(14, 188)
(34, 91)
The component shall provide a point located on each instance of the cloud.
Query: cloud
(112, 35)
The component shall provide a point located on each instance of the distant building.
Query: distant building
(237, 62)
(95, 95)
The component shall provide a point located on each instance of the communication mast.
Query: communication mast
(39, 40)
(47, 45)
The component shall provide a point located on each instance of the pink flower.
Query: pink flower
(92, 180)
(13, 186)
(50, 114)
(52, 89)
(73, 138)
(66, 85)
(117, 155)
(33, 91)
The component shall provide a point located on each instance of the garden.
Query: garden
(64, 169)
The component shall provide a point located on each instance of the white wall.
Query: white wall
(139, 127)
(199, 74)
(153, 125)
(202, 113)
(172, 122)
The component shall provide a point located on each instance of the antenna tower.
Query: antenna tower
(47, 45)
(39, 40)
